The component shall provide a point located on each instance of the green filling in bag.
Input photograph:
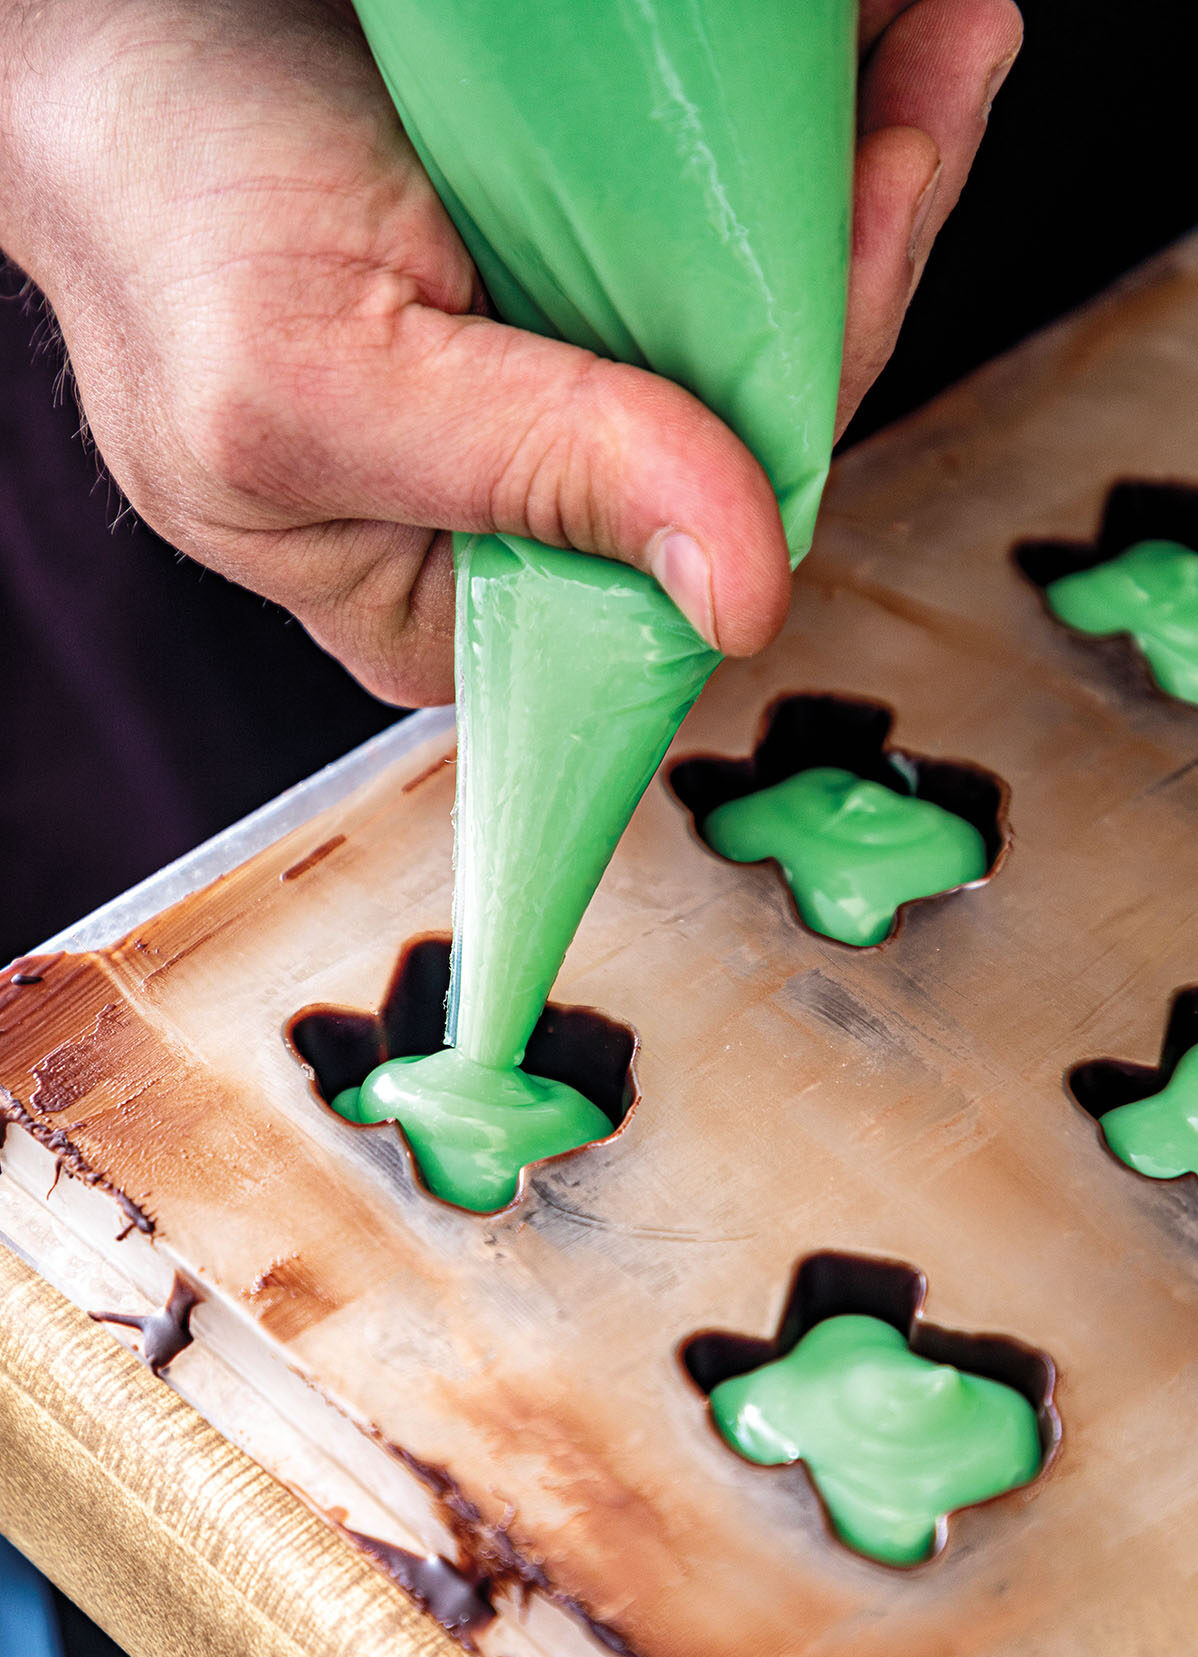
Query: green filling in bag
(668, 183)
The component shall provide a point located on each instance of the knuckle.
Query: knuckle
(235, 437)
(555, 477)
(523, 495)
(249, 413)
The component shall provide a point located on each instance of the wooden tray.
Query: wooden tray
(509, 1392)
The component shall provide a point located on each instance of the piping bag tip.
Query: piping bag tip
(574, 673)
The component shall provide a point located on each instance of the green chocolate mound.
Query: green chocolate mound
(851, 850)
(893, 1441)
(471, 1128)
(1149, 591)
(1158, 1136)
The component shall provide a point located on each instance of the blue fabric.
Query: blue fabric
(28, 1626)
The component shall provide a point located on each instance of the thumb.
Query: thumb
(478, 426)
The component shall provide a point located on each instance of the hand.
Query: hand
(278, 337)
(929, 73)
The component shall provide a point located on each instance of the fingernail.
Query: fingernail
(916, 251)
(679, 564)
(997, 76)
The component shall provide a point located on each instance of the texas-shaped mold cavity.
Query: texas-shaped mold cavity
(906, 1422)
(883, 828)
(1147, 1114)
(338, 1047)
(1131, 594)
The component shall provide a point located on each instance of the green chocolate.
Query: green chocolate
(1158, 1136)
(893, 1441)
(852, 851)
(472, 1129)
(557, 740)
(348, 1103)
(1149, 591)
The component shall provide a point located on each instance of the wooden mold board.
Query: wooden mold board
(512, 1387)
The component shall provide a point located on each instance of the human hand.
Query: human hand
(930, 70)
(278, 337)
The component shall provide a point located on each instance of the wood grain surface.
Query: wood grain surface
(522, 1373)
(143, 1514)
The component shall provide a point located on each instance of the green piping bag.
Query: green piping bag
(667, 182)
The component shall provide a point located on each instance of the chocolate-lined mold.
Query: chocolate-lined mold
(1133, 511)
(339, 1046)
(833, 1284)
(1100, 1086)
(808, 730)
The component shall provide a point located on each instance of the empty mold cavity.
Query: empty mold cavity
(1160, 1142)
(834, 1286)
(1162, 640)
(338, 1047)
(815, 732)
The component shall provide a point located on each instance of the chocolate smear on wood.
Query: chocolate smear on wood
(429, 771)
(79, 1064)
(313, 858)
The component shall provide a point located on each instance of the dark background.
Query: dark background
(1089, 165)
(147, 703)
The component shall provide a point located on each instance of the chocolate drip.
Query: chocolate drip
(24, 973)
(72, 1160)
(461, 1603)
(164, 1334)
(490, 1548)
